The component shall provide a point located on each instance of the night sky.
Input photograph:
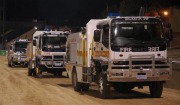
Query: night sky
(60, 12)
(54, 11)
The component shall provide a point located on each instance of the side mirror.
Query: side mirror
(34, 42)
(97, 35)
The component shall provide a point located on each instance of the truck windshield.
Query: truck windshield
(53, 44)
(20, 46)
(136, 30)
(137, 34)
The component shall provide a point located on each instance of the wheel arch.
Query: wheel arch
(100, 65)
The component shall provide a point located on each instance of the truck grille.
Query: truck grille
(56, 61)
(47, 58)
(133, 62)
(58, 58)
(53, 58)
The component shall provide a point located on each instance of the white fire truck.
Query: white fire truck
(123, 52)
(17, 53)
(47, 53)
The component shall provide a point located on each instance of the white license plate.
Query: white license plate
(58, 64)
(141, 77)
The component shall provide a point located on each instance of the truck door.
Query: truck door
(101, 48)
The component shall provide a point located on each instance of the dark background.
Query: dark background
(19, 16)
(54, 11)
(75, 12)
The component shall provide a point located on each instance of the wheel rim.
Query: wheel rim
(101, 85)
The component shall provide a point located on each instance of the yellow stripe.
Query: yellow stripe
(101, 53)
(81, 53)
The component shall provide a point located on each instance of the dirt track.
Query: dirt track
(16, 88)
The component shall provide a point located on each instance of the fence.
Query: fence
(2, 52)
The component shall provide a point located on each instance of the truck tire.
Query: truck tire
(85, 86)
(12, 63)
(34, 72)
(104, 88)
(156, 89)
(30, 70)
(75, 83)
(38, 72)
(123, 87)
(9, 64)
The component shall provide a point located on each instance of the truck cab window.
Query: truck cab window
(53, 43)
(105, 36)
(40, 42)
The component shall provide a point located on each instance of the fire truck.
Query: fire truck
(17, 53)
(47, 53)
(120, 52)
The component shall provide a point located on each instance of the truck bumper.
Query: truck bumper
(138, 69)
(138, 75)
(52, 65)
(19, 60)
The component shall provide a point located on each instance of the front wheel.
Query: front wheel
(9, 64)
(156, 89)
(104, 88)
(30, 72)
(12, 63)
(38, 72)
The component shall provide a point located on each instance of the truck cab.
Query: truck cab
(48, 53)
(17, 53)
